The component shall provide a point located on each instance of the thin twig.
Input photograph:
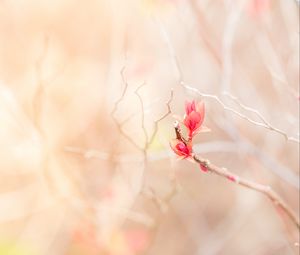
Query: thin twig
(227, 43)
(187, 87)
(143, 113)
(116, 107)
(165, 115)
(148, 138)
(261, 117)
(121, 98)
(206, 32)
(263, 124)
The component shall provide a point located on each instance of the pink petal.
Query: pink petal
(231, 178)
(173, 144)
(193, 106)
(201, 109)
(204, 129)
(201, 129)
(193, 121)
(180, 148)
(189, 107)
(203, 168)
(195, 117)
(183, 149)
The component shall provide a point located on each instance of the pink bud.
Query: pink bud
(180, 148)
(194, 117)
(231, 178)
(203, 168)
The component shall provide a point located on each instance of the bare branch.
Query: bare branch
(165, 115)
(162, 204)
(143, 113)
(261, 117)
(227, 42)
(245, 147)
(205, 32)
(190, 88)
(39, 93)
(150, 138)
(121, 98)
(263, 124)
(115, 108)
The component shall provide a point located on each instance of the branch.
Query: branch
(206, 33)
(143, 114)
(115, 108)
(121, 98)
(150, 138)
(266, 190)
(265, 124)
(206, 166)
(261, 117)
(166, 114)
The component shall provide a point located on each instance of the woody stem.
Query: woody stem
(178, 133)
(265, 190)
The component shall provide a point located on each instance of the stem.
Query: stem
(178, 133)
(266, 190)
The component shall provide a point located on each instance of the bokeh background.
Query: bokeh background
(85, 162)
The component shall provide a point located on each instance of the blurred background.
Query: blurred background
(88, 90)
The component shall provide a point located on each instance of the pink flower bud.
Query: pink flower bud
(180, 148)
(203, 168)
(194, 117)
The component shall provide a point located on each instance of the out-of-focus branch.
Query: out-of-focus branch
(165, 115)
(247, 147)
(121, 98)
(162, 204)
(190, 88)
(42, 82)
(150, 138)
(143, 114)
(116, 107)
(40, 90)
(205, 32)
(227, 42)
(264, 123)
